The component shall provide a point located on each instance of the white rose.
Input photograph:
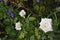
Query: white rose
(18, 26)
(22, 13)
(46, 24)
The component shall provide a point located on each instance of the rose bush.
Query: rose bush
(30, 20)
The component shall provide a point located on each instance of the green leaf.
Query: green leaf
(36, 7)
(0, 38)
(22, 34)
(32, 37)
(37, 33)
(8, 30)
(55, 25)
(32, 18)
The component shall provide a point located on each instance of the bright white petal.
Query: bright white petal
(18, 26)
(46, 24)
(22, 13)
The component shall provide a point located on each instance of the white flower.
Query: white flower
(22, 13)
(46, 24)
(18, 26)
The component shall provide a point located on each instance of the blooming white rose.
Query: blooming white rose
(46, 24)
(22, 13)
(18, 26)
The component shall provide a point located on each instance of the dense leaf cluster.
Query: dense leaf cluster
(30, 29)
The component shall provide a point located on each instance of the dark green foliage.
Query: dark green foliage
(30, 29)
